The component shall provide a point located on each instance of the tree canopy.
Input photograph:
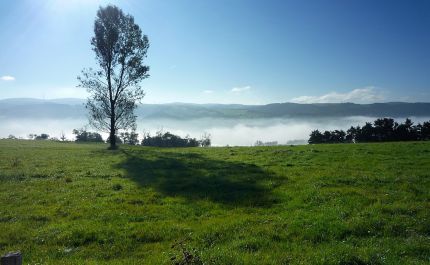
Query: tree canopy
(120, 48)
(382, 130)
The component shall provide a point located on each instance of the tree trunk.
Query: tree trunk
(112, 139)
(112, 136)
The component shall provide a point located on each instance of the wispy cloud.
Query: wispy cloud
(7, 78)
(208, 91)
(360, 95)
(240, 89)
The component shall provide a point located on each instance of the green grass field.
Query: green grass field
(67, 203)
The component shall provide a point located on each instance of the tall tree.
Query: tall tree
(316, 137)
(120, 48)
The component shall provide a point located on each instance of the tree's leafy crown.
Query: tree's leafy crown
(120, 48)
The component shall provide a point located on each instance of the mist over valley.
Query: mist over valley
(234, 125)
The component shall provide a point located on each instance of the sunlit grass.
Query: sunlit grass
(66, 203)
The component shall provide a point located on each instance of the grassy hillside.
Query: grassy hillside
(65, 203)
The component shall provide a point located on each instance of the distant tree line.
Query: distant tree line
(161, 139)
(168, 139)
(130, 138)
(42, 136)
(82, 135)
(34, 136)
(382, 130)
(261, 143)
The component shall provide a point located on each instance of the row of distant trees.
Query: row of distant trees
(261, 143)
(160, 139)
(168, 139)
(382, 130)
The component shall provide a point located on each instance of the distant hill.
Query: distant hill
(74, 108)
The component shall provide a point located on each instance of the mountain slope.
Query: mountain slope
(74, 108)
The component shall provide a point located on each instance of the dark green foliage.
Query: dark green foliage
(423, 131)
(84, 136)
(168, 139)
(336, 136)
(382, 130)
(42, 136)
(316, 137)
(130, 138)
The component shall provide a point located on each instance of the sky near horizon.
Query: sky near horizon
(248, 52)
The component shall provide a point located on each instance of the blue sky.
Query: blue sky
(230, 51)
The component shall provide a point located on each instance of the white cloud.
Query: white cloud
(7, 78)
(360, 95)
(240, 89)
(208, 91)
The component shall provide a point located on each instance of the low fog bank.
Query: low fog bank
(233, 132)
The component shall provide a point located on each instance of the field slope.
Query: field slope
(67, 203)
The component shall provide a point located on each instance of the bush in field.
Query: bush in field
(168, 139)
(42, 136)
(84, 136)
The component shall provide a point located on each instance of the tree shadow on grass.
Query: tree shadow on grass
(195, 177)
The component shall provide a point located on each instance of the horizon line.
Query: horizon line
(214, 103)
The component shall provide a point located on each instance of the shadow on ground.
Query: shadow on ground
(196, 177)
